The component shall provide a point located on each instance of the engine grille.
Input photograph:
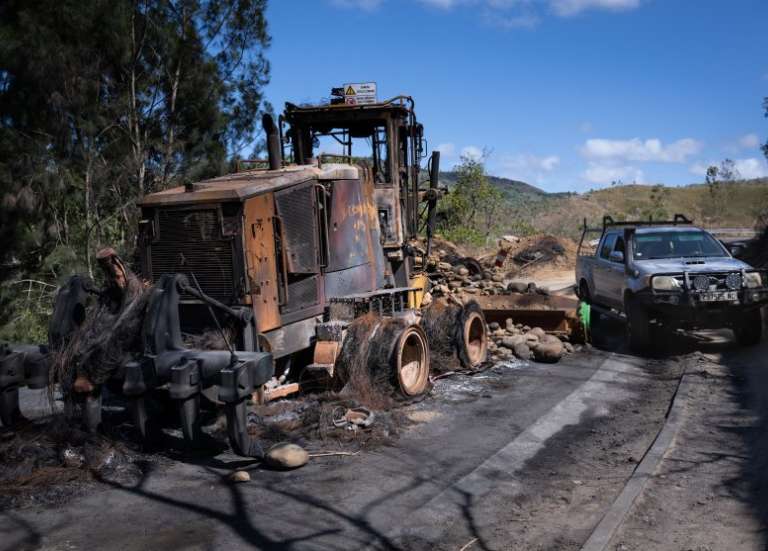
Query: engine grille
(302, 294)
(190, 242)
(296, 209)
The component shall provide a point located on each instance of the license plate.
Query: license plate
(720, 296)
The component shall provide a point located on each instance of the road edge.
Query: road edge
(614, 517)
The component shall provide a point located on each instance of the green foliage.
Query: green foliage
(102, 101)
(470, 212)
(27, 305)
(657, 209)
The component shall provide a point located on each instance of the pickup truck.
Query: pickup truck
(668, 275)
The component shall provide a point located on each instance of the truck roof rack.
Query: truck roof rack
(679, 219)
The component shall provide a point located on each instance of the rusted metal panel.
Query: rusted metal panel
(376, 254)
(261, 263)
(348, 235)
(244, 185)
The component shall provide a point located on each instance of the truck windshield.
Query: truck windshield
(656, 245)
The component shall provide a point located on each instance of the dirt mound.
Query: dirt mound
(527, 255)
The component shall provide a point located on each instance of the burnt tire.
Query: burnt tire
(748, 329)
(638, 327)
(410, 361)
(384, 357)
(472, 337)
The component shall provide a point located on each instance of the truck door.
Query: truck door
(615, 273)
(601, 270)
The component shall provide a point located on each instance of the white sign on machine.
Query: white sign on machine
(363, 93)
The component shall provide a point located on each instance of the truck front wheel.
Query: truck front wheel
(638, 326)
(749, 328)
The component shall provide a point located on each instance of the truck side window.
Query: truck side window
(607, 246)
(619, 247)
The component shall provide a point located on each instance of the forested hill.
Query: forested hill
(515, 190)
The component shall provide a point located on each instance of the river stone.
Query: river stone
(240, 476)
(538, 331)
(517, 287)
(286, 456)
(509, 324)
(462, 271)
(523, 352)
(494, 325)
(531, 339)
(444, 266)
(512, 342)
(497, 278)
(549, 350)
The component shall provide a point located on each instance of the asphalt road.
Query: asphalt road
(520, 457)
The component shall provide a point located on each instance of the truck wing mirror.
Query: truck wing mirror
(617, 256)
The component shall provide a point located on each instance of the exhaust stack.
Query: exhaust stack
(273, 142)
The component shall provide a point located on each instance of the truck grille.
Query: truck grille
(190, 242)
(721, 281)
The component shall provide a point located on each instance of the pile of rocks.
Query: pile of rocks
(450, 279)
(515, 340)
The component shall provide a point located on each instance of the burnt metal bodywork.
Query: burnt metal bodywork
(284, 242)
(279, 262)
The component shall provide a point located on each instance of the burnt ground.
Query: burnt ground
(522, 456)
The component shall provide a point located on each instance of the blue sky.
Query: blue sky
(564, 94)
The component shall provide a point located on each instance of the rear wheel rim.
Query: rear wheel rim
(412, 362)
(475, 339)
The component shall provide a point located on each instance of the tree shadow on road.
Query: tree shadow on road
(748, 369)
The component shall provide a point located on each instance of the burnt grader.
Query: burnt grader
(287, 260)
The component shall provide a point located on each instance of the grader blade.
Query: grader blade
(555, 314)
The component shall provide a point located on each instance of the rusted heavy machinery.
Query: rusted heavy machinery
(286, 262)
(312, 243)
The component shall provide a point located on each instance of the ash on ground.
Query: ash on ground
(49, 461)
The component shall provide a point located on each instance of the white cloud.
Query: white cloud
(747, 169)
(527, 167)
(651, 150)
(700, 168)
(365, 5)
(751, 168)
(523, 21)
(447, 150)
(749, 141)
(567, 8)
(472, 152)
(605, 173)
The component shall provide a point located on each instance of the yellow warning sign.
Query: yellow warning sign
(360, 93)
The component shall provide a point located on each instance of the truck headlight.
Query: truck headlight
(665, 283)
(753, 280)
